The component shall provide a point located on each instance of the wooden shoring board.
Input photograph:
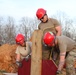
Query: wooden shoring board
(36, 57)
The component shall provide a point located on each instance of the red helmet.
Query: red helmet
(48, 38)
(40, 13)
(20, 39)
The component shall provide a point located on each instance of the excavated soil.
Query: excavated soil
(7, 58)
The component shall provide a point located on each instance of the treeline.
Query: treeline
(9, 28)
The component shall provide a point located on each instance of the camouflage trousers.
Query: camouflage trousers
(71, 63)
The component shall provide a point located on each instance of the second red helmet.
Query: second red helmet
(40, 13)
(48, 38)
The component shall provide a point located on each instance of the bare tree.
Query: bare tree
(9, 31)
(1, 33)
(23, 26)
(66, 23)
(27, 26)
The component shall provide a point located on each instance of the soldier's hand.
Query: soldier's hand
(27, 58)
(19, 63)
(58, 72)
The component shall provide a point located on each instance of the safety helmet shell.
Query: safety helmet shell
(48, 38)
(40, 13)
(20, 39)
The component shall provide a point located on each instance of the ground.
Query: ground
(7, 58)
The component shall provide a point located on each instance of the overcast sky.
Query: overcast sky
(23, 8)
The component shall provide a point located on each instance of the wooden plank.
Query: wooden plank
(36, 58)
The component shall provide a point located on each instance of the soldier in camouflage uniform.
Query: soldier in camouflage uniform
(47, 24)
(65, 44)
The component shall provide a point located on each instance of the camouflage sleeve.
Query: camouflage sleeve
(61, 61)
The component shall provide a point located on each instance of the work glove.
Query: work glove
(58, 72)
(19, 63)
(27, 57)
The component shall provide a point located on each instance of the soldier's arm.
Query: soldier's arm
(18, 57)
(58, 29)
(62, 61)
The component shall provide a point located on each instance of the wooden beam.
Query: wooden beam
(36, 57)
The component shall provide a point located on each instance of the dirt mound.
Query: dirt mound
(7, 58)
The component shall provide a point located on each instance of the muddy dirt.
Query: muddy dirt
(7, 58)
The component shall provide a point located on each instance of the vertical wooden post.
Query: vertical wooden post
(36, 58)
